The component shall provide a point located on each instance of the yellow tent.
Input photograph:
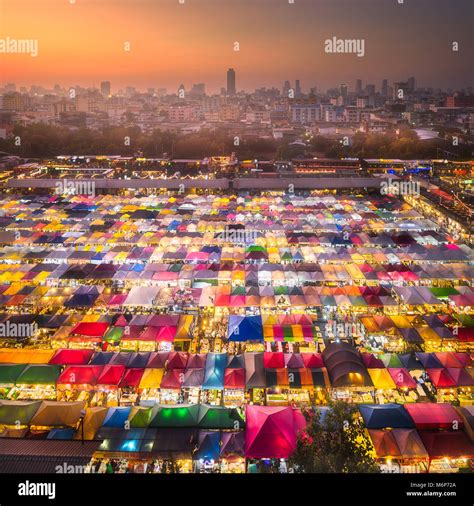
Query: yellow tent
(151, 378)
(381, 379)
(25, 356)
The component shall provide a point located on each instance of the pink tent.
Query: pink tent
(272, 431)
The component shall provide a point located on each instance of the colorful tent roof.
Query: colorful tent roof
(271, 431)
(429, 415)
(379, 416)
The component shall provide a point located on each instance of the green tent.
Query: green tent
(10, 372)
(140, 417)
(391, 360)
(175, 416)
(113, 335)
(39, 374)
(465, 320)
(358, 300)
(238, 290)
(12, 412)
(219, 417)
(444, 292)
(255, 248)
(281, 290)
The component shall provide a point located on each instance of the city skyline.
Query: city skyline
(200, 45)
(351, 86)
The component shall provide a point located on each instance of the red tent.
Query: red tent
(177, 360)
(71, 357)
(372, 362)
(234, 378)
(402, 377)
(273, 360)
(441, 378)
(111, 375)
(466, 334)
(464, 358)
(158, 359)
(132, 332)
(429, 415)
(173, 379)
(90, 329)
(80, 375)
(132, 378)
(313, 360)
(447, 444)
(167, 333)
(271, 431)
(150, 334)
(448, 359)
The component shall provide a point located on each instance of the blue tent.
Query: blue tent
(214, 374)
(101, 357)
(63, 434)
(139, 359)
(379, 416)
(209, 445)
(245, 328)
(116, 417)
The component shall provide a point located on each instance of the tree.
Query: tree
(337, 444)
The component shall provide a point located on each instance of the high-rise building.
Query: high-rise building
(231, 82)
(370, 89)
(358, 89)
(411, 84)
(297, 89)
(400, 89)
(286, 88)
(198, 90)
(384, 88)
(105, 88)
(343, 90)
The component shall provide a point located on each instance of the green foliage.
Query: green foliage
(339, 445)
(40, 141)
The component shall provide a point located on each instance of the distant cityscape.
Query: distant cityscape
(290, 112)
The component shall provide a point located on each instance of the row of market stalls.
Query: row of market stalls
(429, 332)
(198, 251)
(115, 215)
(272, 378)
(354, 266)
(417, 437)
(424, 437)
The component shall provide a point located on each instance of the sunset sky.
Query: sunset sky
(83, 43)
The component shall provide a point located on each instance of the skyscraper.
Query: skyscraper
(384, 88)
(286, 88)
(358, 86)
(105, 88)
(231, 82)
(343, 90)
(297, 89)
(370, 89)
(411, 84)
